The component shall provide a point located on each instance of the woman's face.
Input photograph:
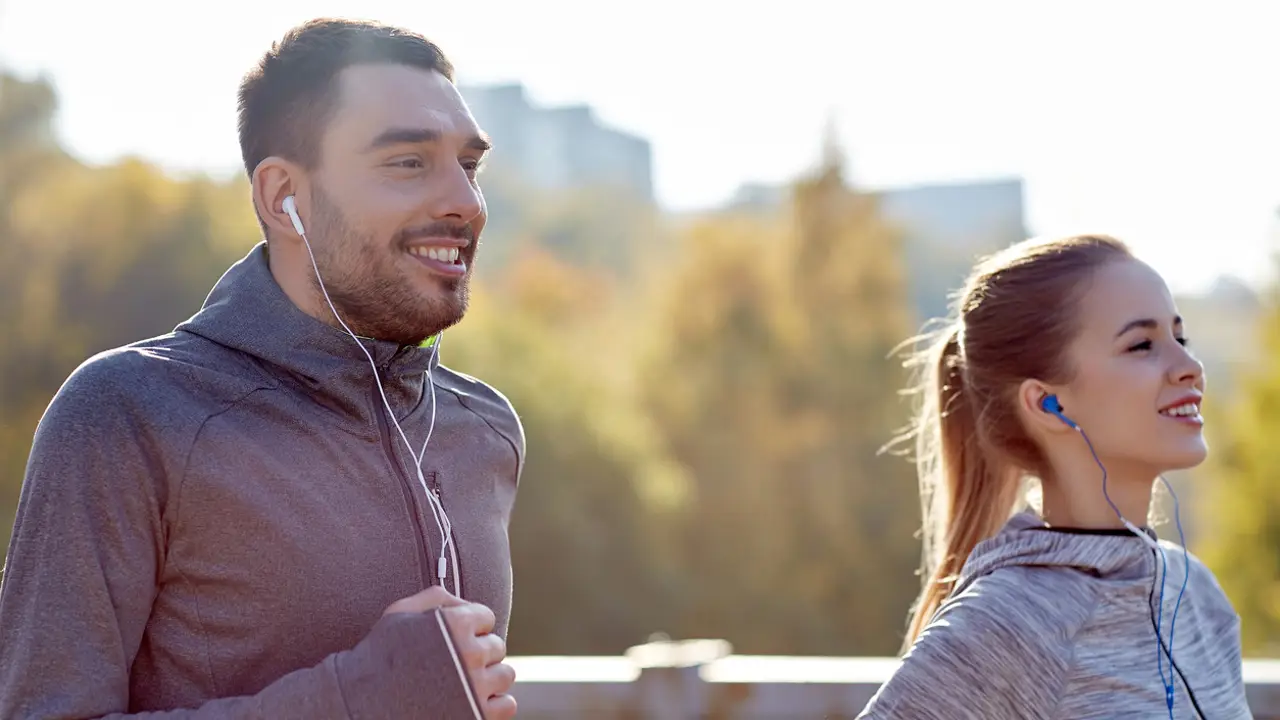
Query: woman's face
(1136, 389)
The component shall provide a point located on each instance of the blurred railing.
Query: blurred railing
(702, 680)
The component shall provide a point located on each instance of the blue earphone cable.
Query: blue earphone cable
(1161, 650)
(1186, 575)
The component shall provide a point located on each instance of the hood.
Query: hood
(1027, 540)
(248, 311)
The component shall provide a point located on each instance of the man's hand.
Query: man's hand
(481, 652)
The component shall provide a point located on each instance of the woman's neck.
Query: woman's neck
(1073, 497)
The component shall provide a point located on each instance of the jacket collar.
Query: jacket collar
(248, 311)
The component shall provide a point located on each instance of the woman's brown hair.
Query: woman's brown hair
(1014, 318)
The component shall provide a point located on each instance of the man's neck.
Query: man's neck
(287, 269)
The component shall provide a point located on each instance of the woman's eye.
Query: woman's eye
(1147, 345)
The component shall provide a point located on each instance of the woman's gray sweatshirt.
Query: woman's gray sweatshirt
(1055, 624)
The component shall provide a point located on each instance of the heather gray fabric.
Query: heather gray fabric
(225, 512)
(1058, 624)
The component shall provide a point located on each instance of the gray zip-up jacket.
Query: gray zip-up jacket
(1054, 624)
(213, 521)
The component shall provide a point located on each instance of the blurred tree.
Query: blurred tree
(589, 525)
(598, 227)
(851, 282)
(1242, 485)
(601, 228)
(713, 389)
(770, 379)
(27, 152)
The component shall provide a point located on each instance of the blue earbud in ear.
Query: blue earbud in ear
(1051, 405)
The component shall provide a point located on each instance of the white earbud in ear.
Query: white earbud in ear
(290, 207)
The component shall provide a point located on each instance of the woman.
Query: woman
(1067, 366)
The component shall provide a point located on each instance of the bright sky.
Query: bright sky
(1156, 123)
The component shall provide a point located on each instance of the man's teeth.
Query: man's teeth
(439, 254)
(1186, 410)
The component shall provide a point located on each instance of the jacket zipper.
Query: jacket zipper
(406, 488)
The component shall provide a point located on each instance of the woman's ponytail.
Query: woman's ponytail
(965, 494)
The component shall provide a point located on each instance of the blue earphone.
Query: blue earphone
(1051, 405)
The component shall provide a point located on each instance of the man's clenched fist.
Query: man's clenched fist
(481, 652)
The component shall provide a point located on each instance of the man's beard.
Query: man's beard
(374, 298)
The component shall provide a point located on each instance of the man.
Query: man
(227, 521)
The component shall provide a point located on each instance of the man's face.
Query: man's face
(396, 207)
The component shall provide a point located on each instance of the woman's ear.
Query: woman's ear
(1032, 407)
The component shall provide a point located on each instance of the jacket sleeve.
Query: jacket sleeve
(991, 652)
(82, 572)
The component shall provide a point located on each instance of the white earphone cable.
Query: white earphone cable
(437, 507)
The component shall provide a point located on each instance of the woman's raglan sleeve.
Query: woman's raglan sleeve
(991, 652)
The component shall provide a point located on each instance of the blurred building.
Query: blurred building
(556, 148)
(26, 113)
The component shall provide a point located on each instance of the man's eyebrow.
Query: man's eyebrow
(404, 136)
(422, 136)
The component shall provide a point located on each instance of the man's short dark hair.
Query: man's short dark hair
(286, 100)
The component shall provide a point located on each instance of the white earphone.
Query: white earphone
(290, 207)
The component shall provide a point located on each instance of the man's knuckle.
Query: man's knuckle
(474, 660)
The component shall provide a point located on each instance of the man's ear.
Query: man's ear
(273, 180)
